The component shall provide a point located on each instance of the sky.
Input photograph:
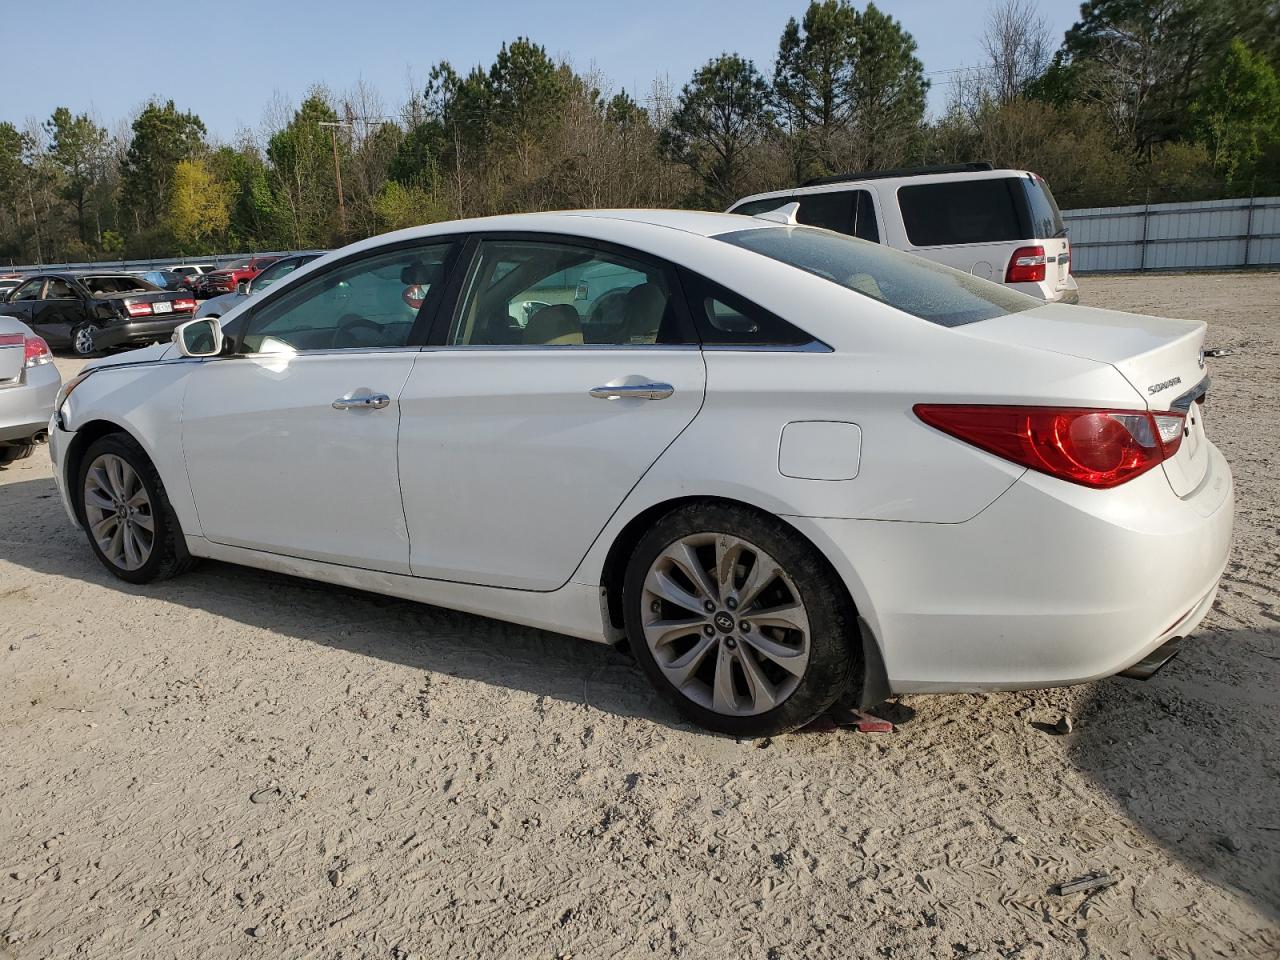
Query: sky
(227, 60)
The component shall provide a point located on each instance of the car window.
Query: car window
(727, 319)
(114, 285)
(864, 218)
(1046, 219)
(274, 272)
(845, 211)
(371, 302)
(913, 285)
(753, 207)
(59, 290)
(28, 291)
(553, 294)
(963, 211)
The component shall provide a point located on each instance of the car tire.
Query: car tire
(104, 487)
(766, 647)
(14, 452)
(84, 339)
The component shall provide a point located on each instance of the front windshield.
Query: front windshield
(912, 284)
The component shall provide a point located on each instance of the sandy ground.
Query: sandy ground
(239, 764)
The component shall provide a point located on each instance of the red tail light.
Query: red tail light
(184, 303)
(1095, 448)
(1026, 266)
(37, 351)
(138, 309)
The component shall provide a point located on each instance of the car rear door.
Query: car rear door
(567, 369)
(58, 311)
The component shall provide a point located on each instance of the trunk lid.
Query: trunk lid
(1162, 359)
(12, 357)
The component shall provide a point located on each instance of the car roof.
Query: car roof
(892, 182)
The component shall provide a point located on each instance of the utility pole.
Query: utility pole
(337, 173)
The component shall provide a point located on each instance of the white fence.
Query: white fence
(1201, 235)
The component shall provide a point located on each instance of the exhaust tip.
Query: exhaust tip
(41, 437)
(1148, 666)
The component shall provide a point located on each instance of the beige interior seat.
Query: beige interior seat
(558, 325)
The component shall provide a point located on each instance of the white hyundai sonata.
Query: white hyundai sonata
(784, 464)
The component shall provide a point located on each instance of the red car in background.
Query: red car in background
(226, 279)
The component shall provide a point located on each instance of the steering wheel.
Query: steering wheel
(346, 334)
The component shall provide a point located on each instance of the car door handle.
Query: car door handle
(372, 401)
(634, 391)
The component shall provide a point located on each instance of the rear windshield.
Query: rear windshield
(109, 286)
(913, 285)
(1046, 220)
(965, 211)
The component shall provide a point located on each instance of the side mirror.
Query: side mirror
(243, 287)
(199, 338)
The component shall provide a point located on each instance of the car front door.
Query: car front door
(565, 371)
(291, 443)
(23, 301)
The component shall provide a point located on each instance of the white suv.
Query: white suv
(1001, 225)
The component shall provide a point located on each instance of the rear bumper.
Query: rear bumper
(139, 331)
(25, 409)
(1053, 584)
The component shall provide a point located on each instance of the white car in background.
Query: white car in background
(1000, 225)
(29, 383)
(786, 465)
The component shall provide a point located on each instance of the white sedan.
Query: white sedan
(785, 465)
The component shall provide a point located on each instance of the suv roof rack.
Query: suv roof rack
(974, 167)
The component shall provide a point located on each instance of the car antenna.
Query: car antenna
(784, 214)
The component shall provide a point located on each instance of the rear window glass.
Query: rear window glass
(102, 286)
(1046, 220)
(913, 285)
(845, 211)
(964, 211)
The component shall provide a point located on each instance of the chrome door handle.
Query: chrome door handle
(634, 391)
(373, 401)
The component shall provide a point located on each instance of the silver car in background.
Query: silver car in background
(29, 383)
(218, 306)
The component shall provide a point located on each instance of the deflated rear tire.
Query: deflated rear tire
(126, 513)
(737, 620)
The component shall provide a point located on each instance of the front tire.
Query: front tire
(83, 339)
(737, 620)
(126, 513)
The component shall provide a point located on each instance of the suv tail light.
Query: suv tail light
(138, 309)
(1026, 266)
(37, 351)
(1094, 448)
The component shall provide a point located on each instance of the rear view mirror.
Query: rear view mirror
(199, 338)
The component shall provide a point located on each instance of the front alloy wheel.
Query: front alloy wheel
(738, 620)
(119, 512)
(82, 341)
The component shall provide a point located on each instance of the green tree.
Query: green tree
(813, 77)
(77, 147)
(887, 94)
(525, 98)
(303, 176)
(1239, 114)
(720, 115)
(162, 136)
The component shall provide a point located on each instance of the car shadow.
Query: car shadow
(1172, 751)
(1177, 751)
(35, 534)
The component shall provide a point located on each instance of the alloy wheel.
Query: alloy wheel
(119, 512)
(84, 336)
(725, 624)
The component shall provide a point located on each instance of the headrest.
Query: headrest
(556, 324)
(419, 273)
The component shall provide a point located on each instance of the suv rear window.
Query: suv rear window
(964, 211)
(845, 211)
(913, 285)
(1046, 220)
